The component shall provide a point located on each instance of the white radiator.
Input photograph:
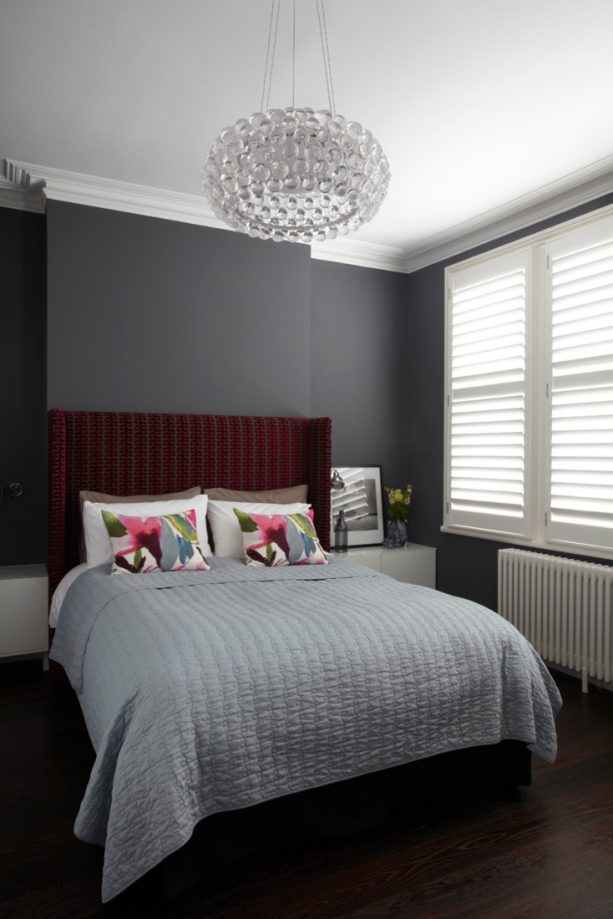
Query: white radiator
(563, 607)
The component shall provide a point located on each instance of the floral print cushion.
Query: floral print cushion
(276, 540)
(144, 544)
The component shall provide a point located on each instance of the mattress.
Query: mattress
(204, 692)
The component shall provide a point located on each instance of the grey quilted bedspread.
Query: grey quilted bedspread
(210, 691)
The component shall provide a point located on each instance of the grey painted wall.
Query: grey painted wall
(154, 315)
(359, 334)
(151, 315)
(23, 523)
(465, 566)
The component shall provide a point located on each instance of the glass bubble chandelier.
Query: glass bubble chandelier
(295, 174)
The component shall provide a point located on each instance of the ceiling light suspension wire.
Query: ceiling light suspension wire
(267, 59)
(325, 51)
(271, 48)
(294, 54)
(295, 174)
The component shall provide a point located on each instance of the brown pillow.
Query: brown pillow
(297, 493)
(98, 497)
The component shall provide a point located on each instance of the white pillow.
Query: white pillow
(59, 594)
(227, 534)
(98, 548)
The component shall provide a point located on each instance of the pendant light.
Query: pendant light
(295, 174)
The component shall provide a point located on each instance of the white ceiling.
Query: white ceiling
(480, 105)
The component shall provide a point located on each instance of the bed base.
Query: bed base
(339, 809)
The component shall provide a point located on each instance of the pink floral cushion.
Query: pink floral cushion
(144, 544)
(276, 540)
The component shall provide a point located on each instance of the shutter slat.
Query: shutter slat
(581, 519)
(488, 464)
(579, 466)
(599, 260)
(575, 338)
(575, 478)
(582, 304)
(513, 343)
(600, 364)
(497, 510)
(512, 327)
(598, 282)
(583, 256)
(486, 315)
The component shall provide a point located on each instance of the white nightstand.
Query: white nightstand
(24, 611)
(413, 564)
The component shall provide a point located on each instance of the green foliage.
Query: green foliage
(398, 500)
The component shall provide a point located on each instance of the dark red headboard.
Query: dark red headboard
(134, 453)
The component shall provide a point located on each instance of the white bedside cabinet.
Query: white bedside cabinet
(24, 611)
(413, 564)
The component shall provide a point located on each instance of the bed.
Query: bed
(241, 707)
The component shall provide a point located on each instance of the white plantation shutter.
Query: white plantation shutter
(579, 477)
(487, 405)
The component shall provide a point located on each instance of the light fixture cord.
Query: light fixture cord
(271, 47)
(325, 51)
(268, 43)
(294, 55)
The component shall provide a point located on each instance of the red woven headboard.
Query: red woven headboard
(133, 453)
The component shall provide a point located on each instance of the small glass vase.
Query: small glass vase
(397, 534)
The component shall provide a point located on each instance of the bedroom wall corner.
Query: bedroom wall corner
(359, 350)
(23, 452)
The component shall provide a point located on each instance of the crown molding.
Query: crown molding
(572, 190)
(359, 252)
(128, 197)
(94, 191)
(19, 200)
(18, 191)
(25, 186)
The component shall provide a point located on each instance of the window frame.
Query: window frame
(538, 533)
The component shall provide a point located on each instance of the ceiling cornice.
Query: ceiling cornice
(24, 186)
(94, 191)
(361, 253)
(548, 201)
(18, 191)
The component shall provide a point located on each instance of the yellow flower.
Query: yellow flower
(399, 496)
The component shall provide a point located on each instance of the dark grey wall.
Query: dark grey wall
(23, 523)
(359, 334)
(154, 315)
(465, 566)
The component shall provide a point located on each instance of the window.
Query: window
(529, 390)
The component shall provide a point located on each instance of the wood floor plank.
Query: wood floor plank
(544, 851)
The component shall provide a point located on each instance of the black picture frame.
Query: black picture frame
(358, 491)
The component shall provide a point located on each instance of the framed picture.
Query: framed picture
(357, 491)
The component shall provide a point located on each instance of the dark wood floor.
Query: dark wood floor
(545, 851)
